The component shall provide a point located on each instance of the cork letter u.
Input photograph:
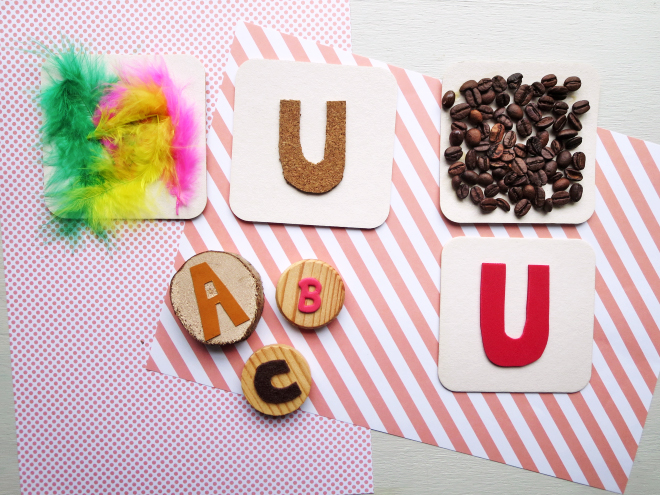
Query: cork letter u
(298, 171)
(501, 349)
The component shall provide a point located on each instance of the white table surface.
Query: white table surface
(622, 40)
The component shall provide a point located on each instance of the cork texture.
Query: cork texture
(302, 174)
(300, 374)
(240, 278)
(332, 293)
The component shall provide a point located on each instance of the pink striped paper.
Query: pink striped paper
(376, 365)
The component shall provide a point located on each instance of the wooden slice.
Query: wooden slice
(289, 291)
(218, 297)
(298, 376)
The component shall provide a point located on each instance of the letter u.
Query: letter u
(501, 349)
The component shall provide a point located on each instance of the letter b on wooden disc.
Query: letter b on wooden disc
(310, 294)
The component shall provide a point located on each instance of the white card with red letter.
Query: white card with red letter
(516, 315)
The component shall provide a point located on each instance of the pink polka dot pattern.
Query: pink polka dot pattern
(90, 418)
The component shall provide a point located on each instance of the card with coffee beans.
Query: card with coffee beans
(518, 142)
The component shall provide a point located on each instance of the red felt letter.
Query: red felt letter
(305, 294)
(501, 349)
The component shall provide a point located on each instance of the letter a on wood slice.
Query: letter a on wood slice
(276, 380)
(218, 297)
(516, 315)
(310, 294)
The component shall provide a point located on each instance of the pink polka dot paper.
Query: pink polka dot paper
(89, 418)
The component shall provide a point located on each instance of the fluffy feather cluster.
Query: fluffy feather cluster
(111, 139)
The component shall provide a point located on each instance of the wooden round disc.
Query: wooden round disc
(299, 373)
(242, 282)
(332, 294)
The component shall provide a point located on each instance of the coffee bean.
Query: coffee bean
(459, 126)
(475, 117)
(503, 204)
(544, 137)
(573, 83)
(514, 81)
(505, 121)
(485, 130)
(496, 133)
(468, 85)
(560, 108)
(473, 137)
(572, 174)
(456, 169)
(534, 163)
(486, 111)
(502, 186)
(545, 122)
(547, 153)
(522, 180)
(556, 146)
(499, 172)
(510, 178)
(471, 159)
(580, 107)
(554, 177)
(472, 97)
(547, 205)
(560, 198)
(549, 167)
(558, 92)
(495, 151)
(453, 154)
(509, 139)
(515, 194)
(488, 205)
(524, 128)
(523, 95)
(502, 99)
(522, 207)
(564, 159)
(485, 179)
(491, 190)
(456, 138)
(549, 81)
(483, 163)
(488, 97)
(518, 166)
(575, 192)
(533, 113)
(485, 84)
(498, 112)
(574, 122)
(534, 146)
(520, 150)
(508, 155)
(561, 184)
(483, 145)
(538, 89)
(539, 199)
(529, 192)
(534, 178)
(573, 142)
(476, 195)
(470, 177)
(448, 99)
(456, 182)
(543, 177)
(545, 103)
(559, 123)
(566, 134)
(499, 84)
(460, 111)
(579, 160)
(515, 111)
(463, 191)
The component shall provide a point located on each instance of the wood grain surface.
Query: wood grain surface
(332, 293)
(299, 373)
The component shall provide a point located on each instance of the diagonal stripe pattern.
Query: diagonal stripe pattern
(376, 365)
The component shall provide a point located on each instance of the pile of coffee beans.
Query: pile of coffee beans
(497, 161)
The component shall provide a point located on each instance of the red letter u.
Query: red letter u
(501, 349)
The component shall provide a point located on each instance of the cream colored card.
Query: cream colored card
(565, 365)
(464, 211)
(258, 190)
(188, 73)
